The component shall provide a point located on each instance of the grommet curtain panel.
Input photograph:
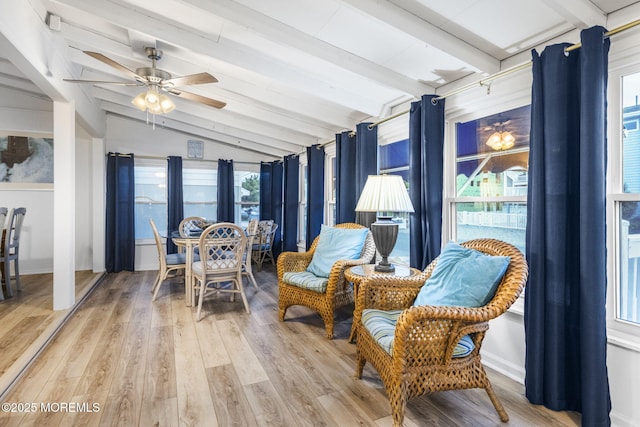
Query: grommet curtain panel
(426, 147)
(565, 319)
(175, 199)
(345, 177)
(120, 239)
(226, 199)
(315, 192)
(366, 164)
(291, 202)
(271, 198)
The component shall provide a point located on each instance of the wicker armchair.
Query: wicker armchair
(421, 360)
(338, 292)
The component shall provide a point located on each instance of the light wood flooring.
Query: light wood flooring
(27, 320)
(126, 361)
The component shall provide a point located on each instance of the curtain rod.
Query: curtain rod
(489, 79)
(165, 158)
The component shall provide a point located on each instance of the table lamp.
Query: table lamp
(384, 194)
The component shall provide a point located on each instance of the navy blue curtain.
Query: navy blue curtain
(271, 198)
(345, 177)
(315, 191)
(226, 199)
(566, 231)
(291, 203)
(120, 239)
(366, 164)
(426, 145)
(175, 205)
(266, 176)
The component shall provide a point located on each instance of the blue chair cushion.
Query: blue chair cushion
(462, 277)
(175, 259)
(336, 244)
(180, 258)
(381, 325)
(306, 280)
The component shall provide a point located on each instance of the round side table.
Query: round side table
(358, 273)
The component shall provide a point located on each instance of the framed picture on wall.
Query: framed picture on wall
(25, 159)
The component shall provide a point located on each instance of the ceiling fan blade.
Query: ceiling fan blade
(192, 79)
(114, 64)
(198, 98)
(102, 82)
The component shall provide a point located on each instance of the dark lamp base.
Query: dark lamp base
(385, 233)
(390, 268)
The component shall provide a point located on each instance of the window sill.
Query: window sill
(623, 340)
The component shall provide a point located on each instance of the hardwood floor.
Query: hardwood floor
(28, 320)
(123, 360)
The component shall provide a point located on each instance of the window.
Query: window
(200, 195)
(302, 208)
(150, 199)
(394, 160)
(491, 181)
(200, 192)
(627, 205)
(331, 185)
(247, 196)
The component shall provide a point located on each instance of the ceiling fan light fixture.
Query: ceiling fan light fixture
(155, 109)
(166, 104)
(139, 101)
(500, 141)
(152, 97)
(154, 102)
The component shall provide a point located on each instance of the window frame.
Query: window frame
(450, 196)
(155, 163)
(199, 164)
(302, 203)
(330, 184)
(619, 331)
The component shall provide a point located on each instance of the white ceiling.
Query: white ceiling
(295, 72)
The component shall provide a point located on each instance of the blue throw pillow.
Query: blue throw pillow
(336, 244)
(463, 277)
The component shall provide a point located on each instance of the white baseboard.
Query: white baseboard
(499, 364)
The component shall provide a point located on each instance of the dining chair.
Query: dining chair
(222, 247)
(190, 225)
(263, 245)
(252, 229)
(167, 262)
(11, 249)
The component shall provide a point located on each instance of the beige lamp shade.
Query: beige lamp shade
(384, 193)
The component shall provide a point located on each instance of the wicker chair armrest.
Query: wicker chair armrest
(293, 261)
(419, 336)
(383, 292)
(336, 276)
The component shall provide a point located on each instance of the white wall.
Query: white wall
(84, 204)
(33, 116)
(131, 136)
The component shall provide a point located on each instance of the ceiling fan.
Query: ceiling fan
(156, 81)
